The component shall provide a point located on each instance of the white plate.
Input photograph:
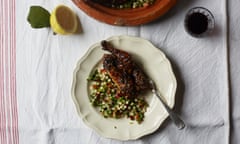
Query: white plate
(154, 63)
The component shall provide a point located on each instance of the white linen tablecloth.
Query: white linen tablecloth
(234, 57)
(36, 72)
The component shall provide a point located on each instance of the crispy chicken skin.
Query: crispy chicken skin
(124, 60)
(129, 77)
(123, 80)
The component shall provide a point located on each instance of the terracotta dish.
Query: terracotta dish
(125, 17)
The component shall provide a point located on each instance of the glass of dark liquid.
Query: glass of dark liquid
(199, 22)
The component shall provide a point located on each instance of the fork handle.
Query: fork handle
(173, 116)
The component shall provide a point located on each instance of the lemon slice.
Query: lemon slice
(63, 20)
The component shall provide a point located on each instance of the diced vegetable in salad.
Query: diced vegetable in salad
(103, 95)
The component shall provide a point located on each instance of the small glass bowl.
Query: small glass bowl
(201, 29)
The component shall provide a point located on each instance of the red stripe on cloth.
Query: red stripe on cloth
(7, 72)
(1, 73)
(10, 78)
(8, 101)
(13, 74)
(1, 79)
(6, 76)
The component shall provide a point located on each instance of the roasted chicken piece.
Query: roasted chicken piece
(122, 79)
(131, 78)
(124, 60)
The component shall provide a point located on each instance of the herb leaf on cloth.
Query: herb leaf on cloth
(38, 17)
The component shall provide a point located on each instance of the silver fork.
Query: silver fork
(173, 116)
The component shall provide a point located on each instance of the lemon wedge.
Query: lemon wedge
(63, 20)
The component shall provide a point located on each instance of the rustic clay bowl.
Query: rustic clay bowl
(125, 17)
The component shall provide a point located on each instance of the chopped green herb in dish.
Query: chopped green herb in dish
(103, 95)
(134, 4)
(125, 4)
